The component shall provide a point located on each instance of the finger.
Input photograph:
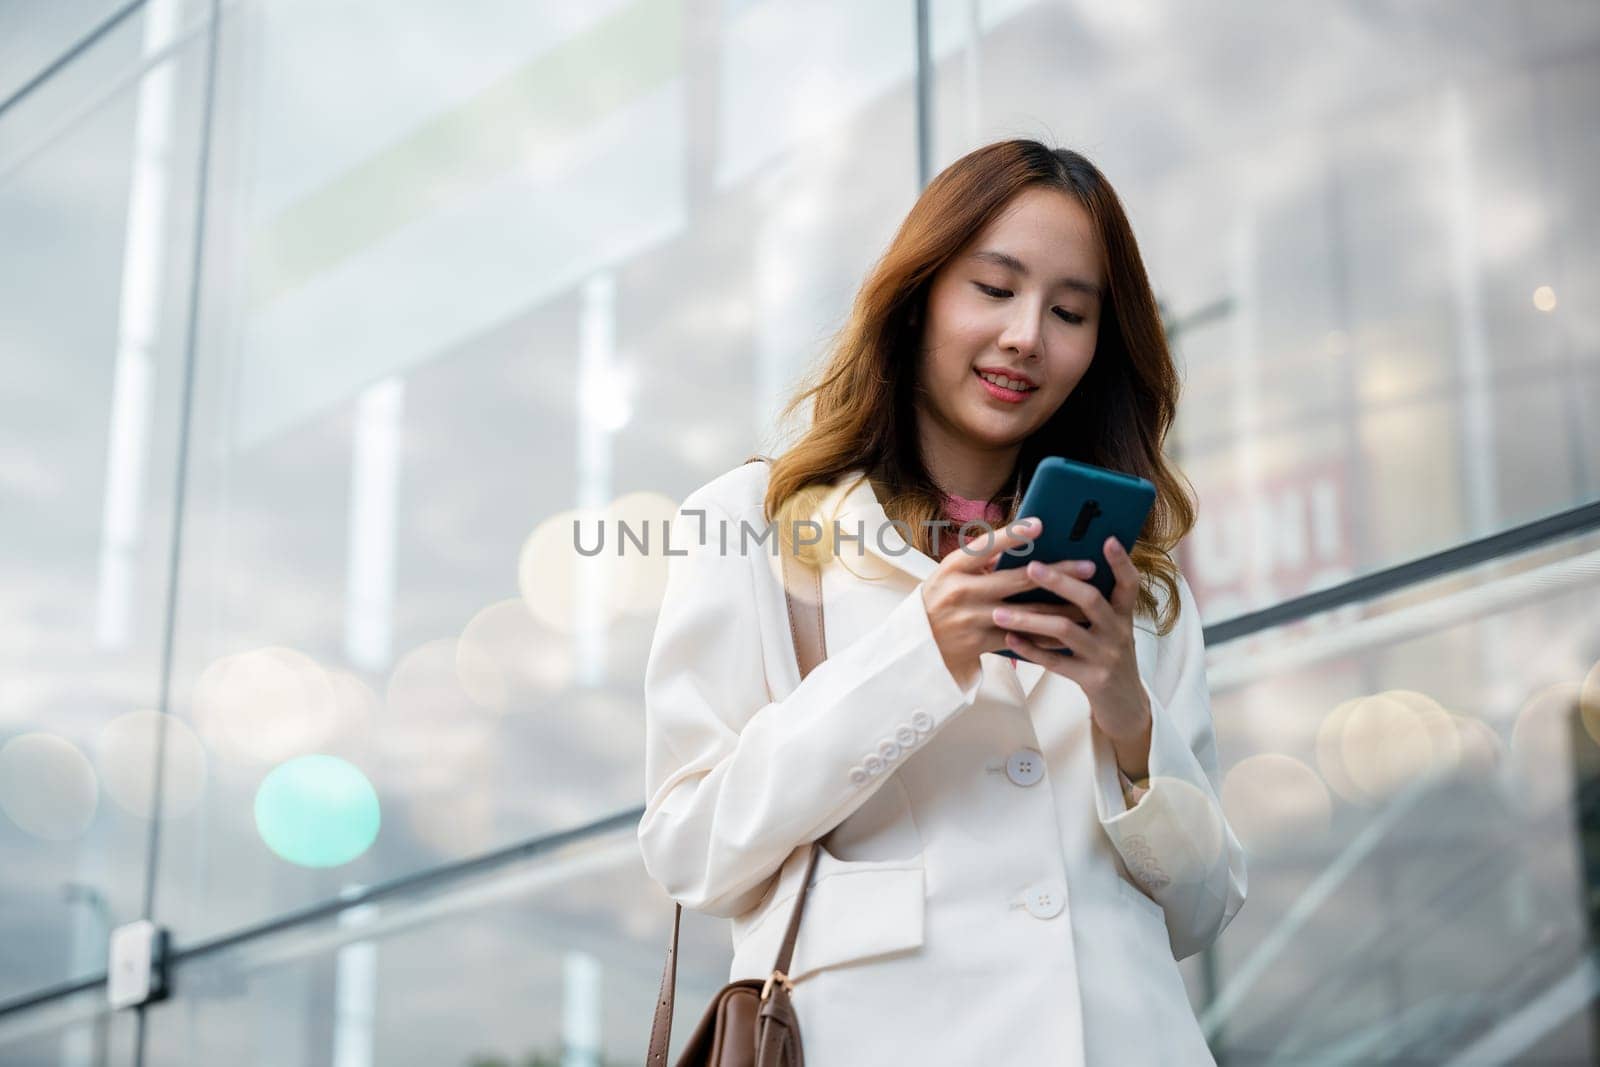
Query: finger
(1008, 582)
(1053, 576)
(1058, 630)
(1125, 593)
(1031, 650)
(985, 549)
(1054, 608)
(1081, 638)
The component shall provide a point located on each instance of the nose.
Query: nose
(1022, 331)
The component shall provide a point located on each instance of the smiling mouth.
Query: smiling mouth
(1000, 392)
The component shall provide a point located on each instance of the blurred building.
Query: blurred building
(321, 322)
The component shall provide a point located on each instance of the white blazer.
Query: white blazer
(983, 895)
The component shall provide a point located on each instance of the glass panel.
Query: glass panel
(556, 961)
(1370, 229)
(32, 36)
(75, 1031)
(559, 235)
(98, 222)
(1416, 784)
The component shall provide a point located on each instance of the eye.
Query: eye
(1066, 316)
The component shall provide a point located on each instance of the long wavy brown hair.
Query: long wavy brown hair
(862, 411)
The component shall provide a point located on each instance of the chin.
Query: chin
(998, 433)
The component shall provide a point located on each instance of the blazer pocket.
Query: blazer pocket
(856, 910)
(1141, 903)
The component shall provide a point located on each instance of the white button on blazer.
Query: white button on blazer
(954, 918)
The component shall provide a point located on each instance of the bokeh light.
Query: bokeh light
(265, 705)
(434, 732)
(505, 657)
(551, 573)
(1272, 799)
(125, 754)
(553, 576)
(641, 573)
(1541, 748)
(1589, 702)
(1385, 745)
(1444, 739)
(356, 711)
(1330, 753)
(317, 811)
(1369, 747)
(47, 787)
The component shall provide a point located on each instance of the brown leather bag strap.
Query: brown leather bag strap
(810, 648)
(805, 612)
(661, 1029)
(786, 951)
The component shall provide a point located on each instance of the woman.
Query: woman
(1015, 854)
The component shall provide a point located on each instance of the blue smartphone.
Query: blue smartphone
(1080, 506)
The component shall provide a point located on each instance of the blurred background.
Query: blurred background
(321, 322)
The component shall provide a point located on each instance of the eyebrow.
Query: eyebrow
(1007, 260)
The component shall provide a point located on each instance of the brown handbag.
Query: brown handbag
(750, 1022)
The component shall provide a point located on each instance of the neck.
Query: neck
(964, 471)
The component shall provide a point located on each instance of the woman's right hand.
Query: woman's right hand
(962, 594)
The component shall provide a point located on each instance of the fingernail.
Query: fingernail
(1002, 616)
(1036, 569)
(1031, 524)
(1083, 566)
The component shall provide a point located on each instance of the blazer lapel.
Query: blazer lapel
(858, 508)
(1027, 674)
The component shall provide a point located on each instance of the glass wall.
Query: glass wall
(552, 963)
(322, 328)
(561, 234)
(98, 175)
(78, 1030)
(1415, 787)
(36, 39)
(1369, 230)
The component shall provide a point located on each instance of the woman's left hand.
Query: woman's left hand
(1103, 661)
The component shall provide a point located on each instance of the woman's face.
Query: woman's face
(1021, 300)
